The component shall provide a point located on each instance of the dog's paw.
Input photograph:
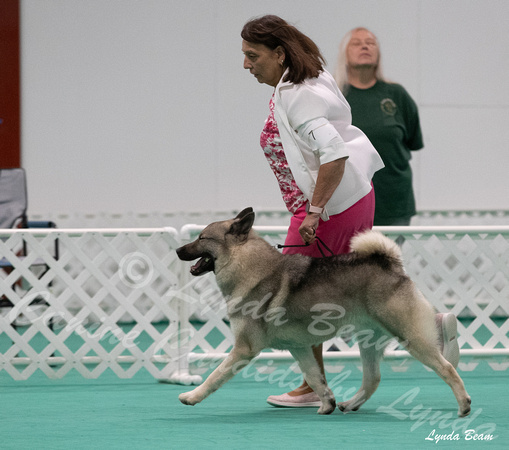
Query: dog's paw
(347, 407)
(327, 408)
(187, 398)
(465, 410)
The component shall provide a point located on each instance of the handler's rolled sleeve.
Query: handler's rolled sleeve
(325, 141)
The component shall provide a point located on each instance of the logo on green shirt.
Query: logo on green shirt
(388, 106)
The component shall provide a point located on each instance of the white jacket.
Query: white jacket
(297, 109)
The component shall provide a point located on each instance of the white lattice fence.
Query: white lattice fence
(94, 305)
(461, 270)
(120, 299)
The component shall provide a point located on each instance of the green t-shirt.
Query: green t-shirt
(390, 119)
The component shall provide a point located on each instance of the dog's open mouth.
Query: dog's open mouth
(204, 265)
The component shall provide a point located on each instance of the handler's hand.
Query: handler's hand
(308, 227)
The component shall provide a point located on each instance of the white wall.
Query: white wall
(142, 106)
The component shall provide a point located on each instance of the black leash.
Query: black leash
(319, 241)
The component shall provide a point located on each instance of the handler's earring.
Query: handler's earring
(281, 62)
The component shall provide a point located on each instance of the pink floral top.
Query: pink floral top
(273, 149)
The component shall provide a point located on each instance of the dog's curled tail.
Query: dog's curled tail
(372, 242)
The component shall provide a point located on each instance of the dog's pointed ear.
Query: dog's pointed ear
(245, 212)
(243, 222)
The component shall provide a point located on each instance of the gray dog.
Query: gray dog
(301, 302)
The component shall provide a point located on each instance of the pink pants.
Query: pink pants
(335, 232)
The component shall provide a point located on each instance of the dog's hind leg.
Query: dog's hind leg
(314, 378)
(430, 356)
(371, 355)
(412, 319)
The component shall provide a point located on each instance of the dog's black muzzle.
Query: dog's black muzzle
(205, 263)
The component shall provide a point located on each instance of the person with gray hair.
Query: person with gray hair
(388, 116)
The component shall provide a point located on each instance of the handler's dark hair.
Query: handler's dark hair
(302, 56)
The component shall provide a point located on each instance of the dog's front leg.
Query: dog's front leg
(236, 360)
(314, 378)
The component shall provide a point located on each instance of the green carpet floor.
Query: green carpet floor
(408, 411)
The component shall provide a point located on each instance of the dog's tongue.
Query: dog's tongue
(203, 265)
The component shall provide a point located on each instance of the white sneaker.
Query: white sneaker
(448, 333)
(310, 400)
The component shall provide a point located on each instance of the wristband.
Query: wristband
(315, 209)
